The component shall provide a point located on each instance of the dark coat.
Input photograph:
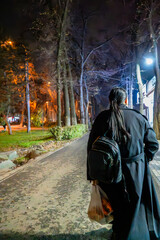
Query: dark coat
(140, 218)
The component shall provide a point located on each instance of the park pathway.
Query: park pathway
(48, 199)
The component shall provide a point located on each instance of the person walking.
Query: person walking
(138, 216)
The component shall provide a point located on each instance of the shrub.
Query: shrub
(66, 133)
(57, 133)
(20, 161)
(36, 118)
(2, 122)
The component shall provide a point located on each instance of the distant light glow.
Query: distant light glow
(149, 61)
(7, 43)
(10, 42)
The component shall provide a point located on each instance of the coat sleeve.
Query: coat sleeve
(95, 132)
(150, 141)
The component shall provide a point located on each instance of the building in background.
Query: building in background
(148, 100)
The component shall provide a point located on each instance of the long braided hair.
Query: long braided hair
(116, 123)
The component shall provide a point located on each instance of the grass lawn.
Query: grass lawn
(23, 139)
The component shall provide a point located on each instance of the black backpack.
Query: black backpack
(104, 160)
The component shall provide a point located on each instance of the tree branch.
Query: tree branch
(101, 45)
(94, 49)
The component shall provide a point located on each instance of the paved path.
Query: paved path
(49, 198)
(155, 168)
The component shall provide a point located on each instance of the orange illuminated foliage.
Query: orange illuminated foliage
(15, 80)
(21, 66)
(7, 44)
(33, 105)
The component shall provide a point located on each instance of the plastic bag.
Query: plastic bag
(100, 209)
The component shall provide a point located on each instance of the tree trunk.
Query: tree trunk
(8, 109)
(58, 94)
(72, 100)
(83, 61)
(66, 98)
(71, 92)
(93, 116)
(27, 98)
(59, 57)
(82, 120)
(156, 116)
(127, 85)
(87, 102)
(8, 125)
(130, 97)
(140, 86)
(42, 117)
(22, 118)
(22, 113)
(86, 117)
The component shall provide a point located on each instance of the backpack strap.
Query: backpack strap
(110, 136)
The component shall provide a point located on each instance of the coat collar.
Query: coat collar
(122, 106)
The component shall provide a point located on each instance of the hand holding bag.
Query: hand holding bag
(100, 209)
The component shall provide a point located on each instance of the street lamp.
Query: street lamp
(9, 42)
(149, 61)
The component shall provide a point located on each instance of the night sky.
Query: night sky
(16, 16)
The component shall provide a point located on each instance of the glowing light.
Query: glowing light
(6, 43)
(10, 42)
(149, 61)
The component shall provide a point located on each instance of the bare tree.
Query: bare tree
(71, 90)
(66, 97)
(62, 31)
